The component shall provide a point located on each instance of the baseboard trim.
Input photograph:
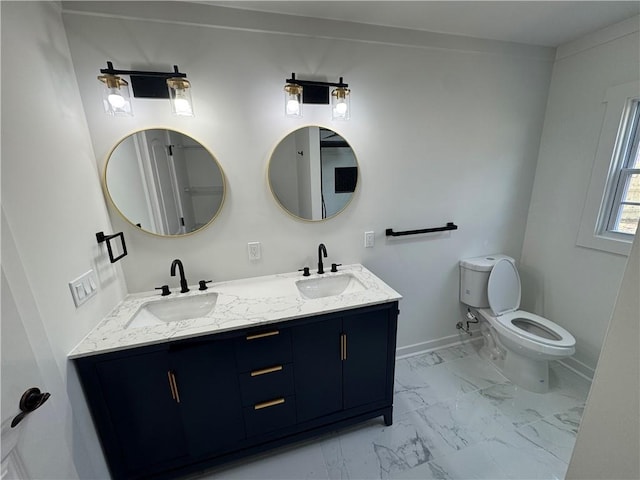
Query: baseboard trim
(576, 366)
(444, 342)
(579, 368)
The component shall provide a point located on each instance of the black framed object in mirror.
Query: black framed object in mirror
(313, 173)
(164, 182)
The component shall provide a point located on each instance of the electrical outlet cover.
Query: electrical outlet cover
(253, 249)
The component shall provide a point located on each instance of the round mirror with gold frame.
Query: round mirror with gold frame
(313, 173)
(164, 182)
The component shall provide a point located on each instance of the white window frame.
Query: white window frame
(593, 232)
(624, 152)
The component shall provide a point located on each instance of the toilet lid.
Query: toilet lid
(503, 289)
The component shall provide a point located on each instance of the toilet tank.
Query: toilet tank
(474, 278)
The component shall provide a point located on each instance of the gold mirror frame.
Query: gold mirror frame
(162, 187)
(304, 183)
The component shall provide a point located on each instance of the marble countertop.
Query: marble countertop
(241, 303)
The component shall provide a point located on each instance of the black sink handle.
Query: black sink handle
(305, 271)
(165, 290)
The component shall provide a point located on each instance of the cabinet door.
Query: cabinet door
(209, 393)
(366, 363)
(317, 368)
(147, 429)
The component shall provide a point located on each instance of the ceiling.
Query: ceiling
(545, 23)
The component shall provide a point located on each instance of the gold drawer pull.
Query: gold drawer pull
(270, 403)
(343, 346)
(264, 371)
(262, 335)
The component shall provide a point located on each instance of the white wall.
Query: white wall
(444, 129)
(613, 407)
(53, 206)
(576, 287)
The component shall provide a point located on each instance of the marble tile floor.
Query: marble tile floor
(455, 417)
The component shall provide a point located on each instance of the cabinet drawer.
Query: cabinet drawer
(267, 383)
(263, 348)
(273, 414)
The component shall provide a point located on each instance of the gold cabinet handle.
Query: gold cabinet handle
(173, 392)
(343, 346)
(264, 371)
(262, 335)
(174, 387)
(270, 403)
(345, 351)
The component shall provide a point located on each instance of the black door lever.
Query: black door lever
(31, 400)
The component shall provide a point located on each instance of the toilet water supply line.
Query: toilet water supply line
(472, 319)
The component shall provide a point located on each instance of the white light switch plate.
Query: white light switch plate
(253, 249)
(83, 288)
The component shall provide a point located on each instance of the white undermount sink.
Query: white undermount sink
(320, 287)
(167, 310)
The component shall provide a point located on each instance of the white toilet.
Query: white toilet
(518, 342)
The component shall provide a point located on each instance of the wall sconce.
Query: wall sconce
(293, 100)
(172, 85)
(180, 95)
(341, 103)
(297, 92)
(116, 98)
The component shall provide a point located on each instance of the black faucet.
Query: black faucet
(183, 281)
(321, 250)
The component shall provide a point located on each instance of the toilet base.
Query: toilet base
(527, 372)
(530, 374)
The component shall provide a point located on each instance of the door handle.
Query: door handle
(31, 399)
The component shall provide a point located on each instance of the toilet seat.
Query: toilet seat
(522, 327)
(510, 321)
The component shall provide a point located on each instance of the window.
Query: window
(622, 196)
(612, 204)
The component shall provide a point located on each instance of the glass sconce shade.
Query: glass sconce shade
(180, 96)
(341, 104)
(293, 100)
(116, 98)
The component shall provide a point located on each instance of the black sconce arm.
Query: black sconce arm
(142, 73)
(316, 83)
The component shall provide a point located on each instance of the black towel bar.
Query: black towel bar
(449, 226)
(101, 237)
